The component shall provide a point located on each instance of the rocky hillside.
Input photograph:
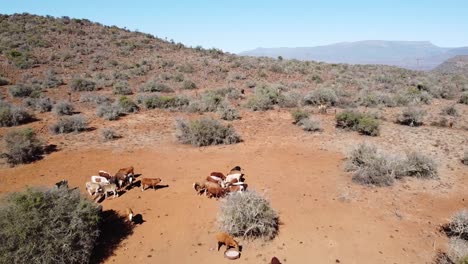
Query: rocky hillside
(455, 65)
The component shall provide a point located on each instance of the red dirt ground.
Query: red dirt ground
(325, 217)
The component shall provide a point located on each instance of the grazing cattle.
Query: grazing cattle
(105, 174)
(227, 240)
(235, 175)
(99, 179)
(62, 183)
(149, 182)
(110, 188)
(125, 175)
(237, 187)
(214, 190)
(218, 175)
(216, 180)
(199, 187)
(275, 260)
(129, 213)
(129, 171)
(93, 188)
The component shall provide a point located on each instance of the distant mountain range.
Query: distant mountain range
(417, 55)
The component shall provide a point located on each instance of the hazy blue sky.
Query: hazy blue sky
(240, 25)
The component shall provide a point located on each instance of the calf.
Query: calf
(215, 179)
(199, 187)
(99, 179)
(227, 240)
(104, 174)
(214, 190)
(110, 188)
(93, 188)
(150, 182)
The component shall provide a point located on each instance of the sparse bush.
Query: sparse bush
(308, 124)
(210, 101)
(264, 98)
(63, 108)
(21, 90)
(290, 99)
(165, 102)
(363, 123)
(94, 98)
(325, 96)
(205, 132)
(127, 105)
(227, 112)
(298, 115)
(458, 225)
(419, 165)
(13, 116)
(189, 85)
(411, 117)
(249, 215)
(81, 84)
(463, 98)
(371, 167)
(22, 146)
(22, 60)
(68, 124)
(42, 105)
(51, 80)
(108, 134)
(109, 111)
(48, 226)
(450, 110)
(458, 250)
(155, 86)
(122, 88)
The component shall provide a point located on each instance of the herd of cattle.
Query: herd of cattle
(218, 185)
(105, 183)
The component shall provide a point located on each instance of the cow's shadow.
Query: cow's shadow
(114, 228)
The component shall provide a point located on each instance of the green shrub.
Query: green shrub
(21, 90)
(249, 215)
(22, 146)
(411, 117)
(81, 84)
(63, 108)
(321, 96)
(127, 105)
(205, 132)
(22, 60)
(68, 124)
(264, 98)
(48, 226)
(463, 98)
(310, 125)
(362, 123)
(165, 102)
(13, 116)
(155, 86)
(368, 126)
(298, 115)
(122, 88)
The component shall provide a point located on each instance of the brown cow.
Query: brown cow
(150, 182)
(227, 240)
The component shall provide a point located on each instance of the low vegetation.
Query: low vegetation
(22, 90)
(80, 84)
(371, 166)
(63, 108)
(362, 123)
(42, 105)
(108, 134)
(69, 124)
(127, 105)
(228, 113)
(22, 146)
(411, 117)
(48, 226)
(457, 231)
(463, 98)
(122, 88)
(264, 98)
(321, 96)
(205, 132)
(163, 101)
(11, 115)
(109, 111)
(156, 85)
(309, 124)
(249, 215)
(298, 115)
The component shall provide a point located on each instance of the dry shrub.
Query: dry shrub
(22, 146)
(411, 117)
(109, 111)
(420, 166)
(48, 226)
(63, 108)
(363, 123)
(205, 132)
(81, 84)
(309, 124)
(11, 115)
(108, 134)
(325, 96)
(68, 124)
(249, 215)
(228, 113)
(298, 115)
(94, 98)
(42, 105)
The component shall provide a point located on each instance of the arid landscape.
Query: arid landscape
(289, 126)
